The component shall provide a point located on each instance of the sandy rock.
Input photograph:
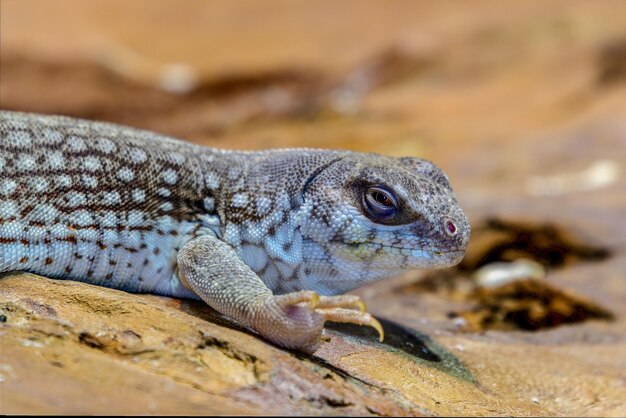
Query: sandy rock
(76, 348)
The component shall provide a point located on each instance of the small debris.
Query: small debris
(500, 273)
(527, 305)
(552, 245)
(3, 318)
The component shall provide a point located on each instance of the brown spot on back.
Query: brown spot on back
(70, 239)
(27, 209)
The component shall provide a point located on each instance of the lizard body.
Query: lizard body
(256, 235)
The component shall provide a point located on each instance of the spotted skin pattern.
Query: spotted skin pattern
(256, 235)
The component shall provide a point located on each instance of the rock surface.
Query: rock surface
(523, 106)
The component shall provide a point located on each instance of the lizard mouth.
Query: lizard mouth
(411, 257)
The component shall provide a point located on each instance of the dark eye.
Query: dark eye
(380, 203)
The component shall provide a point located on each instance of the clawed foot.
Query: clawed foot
(295, 320)
(341, 309)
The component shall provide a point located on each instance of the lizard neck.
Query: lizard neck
(258, 201)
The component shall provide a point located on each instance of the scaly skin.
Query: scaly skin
(256, 235)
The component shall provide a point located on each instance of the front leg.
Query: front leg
(212, 269)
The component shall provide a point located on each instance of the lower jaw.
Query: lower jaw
(445, 260)
(406, 258)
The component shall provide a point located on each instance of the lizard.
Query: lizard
(272, 239)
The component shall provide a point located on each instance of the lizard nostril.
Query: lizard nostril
(450, 228)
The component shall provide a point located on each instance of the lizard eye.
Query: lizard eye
(380, 203)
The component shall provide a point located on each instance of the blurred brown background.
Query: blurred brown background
(522, 103)
(480, 89)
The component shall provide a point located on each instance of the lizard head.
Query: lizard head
(371, 216)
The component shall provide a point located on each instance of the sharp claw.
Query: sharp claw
(348, 316)
(314, 301)
(362, 306)
(342, 301)
(379, 328)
